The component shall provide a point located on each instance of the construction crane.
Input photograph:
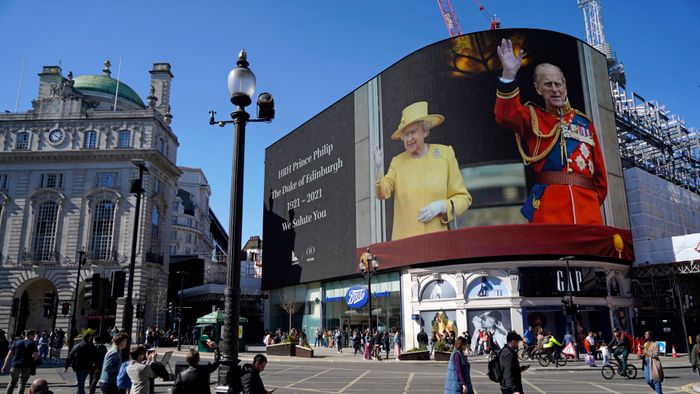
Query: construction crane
(448, 14)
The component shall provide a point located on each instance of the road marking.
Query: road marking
(310, 377)
(353, 382)
(408, 383)
(539, 390)
(280, 371)
(604, 388)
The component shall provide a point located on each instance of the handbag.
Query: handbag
(590, 360)
(656, 371)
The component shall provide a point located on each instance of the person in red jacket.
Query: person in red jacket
(559, 142)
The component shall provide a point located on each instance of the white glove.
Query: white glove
(431, 210)
(378, 162)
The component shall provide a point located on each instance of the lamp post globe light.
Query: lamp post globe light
(241, 85)
(369, 266)
(136, 188)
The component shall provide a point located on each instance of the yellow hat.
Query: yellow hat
(414, 113)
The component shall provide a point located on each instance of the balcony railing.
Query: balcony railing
(105, 257)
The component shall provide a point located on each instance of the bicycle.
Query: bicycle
(528, 352)
(610, 369)
(558, 358)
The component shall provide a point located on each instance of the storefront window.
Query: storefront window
(386, 304)
(302, 303)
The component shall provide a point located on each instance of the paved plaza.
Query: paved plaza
(332, 372)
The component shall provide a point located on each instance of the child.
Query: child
(604, 352)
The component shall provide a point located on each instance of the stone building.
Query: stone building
(65, 171)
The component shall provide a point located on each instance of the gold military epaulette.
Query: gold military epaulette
(533, 104)
(583, 115)
(507, 95)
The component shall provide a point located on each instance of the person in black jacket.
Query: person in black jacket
(82, 359)
(511, 382)
(195, 379)
(252, 383)
(100, 351)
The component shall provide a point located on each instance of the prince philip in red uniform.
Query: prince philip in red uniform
(559, 142)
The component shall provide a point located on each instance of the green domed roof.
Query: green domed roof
(106, 84)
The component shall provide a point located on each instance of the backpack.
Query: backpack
(123, 380)
(495, 373)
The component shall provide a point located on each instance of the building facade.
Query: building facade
(65, 173)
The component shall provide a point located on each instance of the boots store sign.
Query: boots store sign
(552, 282)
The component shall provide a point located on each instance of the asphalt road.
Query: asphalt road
(329, 374)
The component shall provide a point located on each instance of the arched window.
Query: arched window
(90, 139)
(102, 230)
(45, 233)
(437, 290)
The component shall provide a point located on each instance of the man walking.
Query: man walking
(252, 383)
(511, 382)
(422, 338)
(82, 359)
(21, 359)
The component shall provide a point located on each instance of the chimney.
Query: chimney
(160, 81)
(50, 76)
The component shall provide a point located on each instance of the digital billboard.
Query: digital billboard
(463, 134)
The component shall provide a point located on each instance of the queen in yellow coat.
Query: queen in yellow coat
(425, 180)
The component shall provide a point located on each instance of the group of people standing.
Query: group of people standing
(372, 345)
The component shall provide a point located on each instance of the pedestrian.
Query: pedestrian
(386, 343)
(44, 346)
(397, 345)
(195, 379)
(195, 337)
(82, 359)
(653, 371)
(21, 359)
(356, 342)
(422, 339)
(111, 364)
(458, 378)
(52, 344)
(317, 337)
(40, 386)
(4, 346)
(695, 355)
(511, 381)
(250, 379)
(604, 352)
(100, 351)
(139, 370)
(338, 337)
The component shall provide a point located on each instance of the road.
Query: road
(344, 373)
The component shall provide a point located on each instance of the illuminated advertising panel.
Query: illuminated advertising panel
(424, 159)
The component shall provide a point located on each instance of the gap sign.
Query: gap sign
(356, 297)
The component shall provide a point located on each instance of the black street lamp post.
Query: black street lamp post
(369, 266)
(571, 306)
(73, 328)
(179, 316)
(137, 188)
(241, 86)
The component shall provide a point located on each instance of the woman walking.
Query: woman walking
(458, 379)
(653, 371)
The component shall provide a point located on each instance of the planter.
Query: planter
(422, 355)
(281, 349)
(301, 351)
(441, 356)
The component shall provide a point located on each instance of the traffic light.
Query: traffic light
(140, 311)
(92, 291)
(64, 308)
(565, 309)
(171, 309)
(49, 304)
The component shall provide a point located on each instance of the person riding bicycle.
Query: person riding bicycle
(552, 346)
(530, 341)
(620, 345)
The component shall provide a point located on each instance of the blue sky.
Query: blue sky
(308, 54)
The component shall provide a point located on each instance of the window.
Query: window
(174, 219)
(107, 179)
(45, 233)
(22, 141)
(154, 230)
(102, 230)
(156, 186)
(90, 139)
(187, 251)
(3, 181)
(188, 237)
(173, 235)
(51, 181)
(189, 222)
(176, 207)
(173, 250)
(161, 145)
(124, 139)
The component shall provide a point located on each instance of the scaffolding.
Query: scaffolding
(656, 140)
